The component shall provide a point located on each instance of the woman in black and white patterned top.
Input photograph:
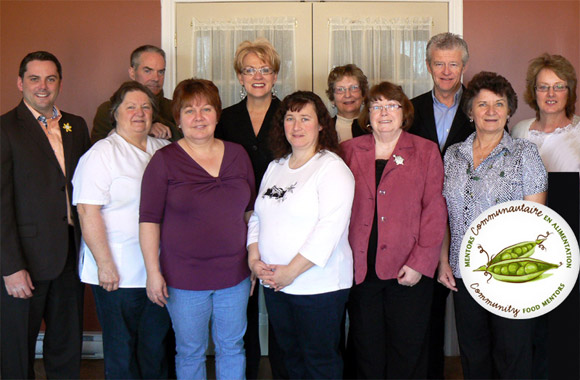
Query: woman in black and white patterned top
(488, 168)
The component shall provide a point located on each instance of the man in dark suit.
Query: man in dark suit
(148, 68)
(439, 118)
(40, 148)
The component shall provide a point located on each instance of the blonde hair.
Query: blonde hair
(262, 48)
(563, 70)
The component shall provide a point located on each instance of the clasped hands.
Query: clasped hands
(274, 276)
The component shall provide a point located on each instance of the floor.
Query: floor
(93, 369)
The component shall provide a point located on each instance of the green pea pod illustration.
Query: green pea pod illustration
(515, 251)
(519, 250)
(517, 270)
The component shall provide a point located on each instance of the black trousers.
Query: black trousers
(252, 336)
(308, 331)
(437, 332)
(60, 303)
(389, 324)
(491, 346)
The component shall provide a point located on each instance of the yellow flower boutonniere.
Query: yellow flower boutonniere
(67, 127)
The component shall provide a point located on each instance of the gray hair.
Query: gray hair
(136, 54)
(448, 41)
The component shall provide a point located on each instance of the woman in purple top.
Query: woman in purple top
(196, 197)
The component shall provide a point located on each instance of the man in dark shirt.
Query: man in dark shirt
(148, 68)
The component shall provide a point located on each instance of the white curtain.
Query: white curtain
(214, 44)
(385, 49)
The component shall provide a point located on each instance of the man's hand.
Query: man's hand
(161, 131)
(19, 284)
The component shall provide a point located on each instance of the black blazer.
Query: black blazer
(34, 228)
(424, 123)
(235, 125)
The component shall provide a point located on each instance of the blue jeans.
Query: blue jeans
(191, 312)
(307, 330)
(134, 333)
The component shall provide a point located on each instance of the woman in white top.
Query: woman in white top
(107, 187)
(551, 92)
(298, 237)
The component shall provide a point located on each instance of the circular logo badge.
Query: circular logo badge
(519, 259)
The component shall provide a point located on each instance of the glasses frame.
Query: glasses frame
(546, 88)
(354, 89)
(251, 71)
(386, 107)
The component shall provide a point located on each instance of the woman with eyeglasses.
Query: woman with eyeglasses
(488, 168)
(396, 231)
(248, 123)
(551, 92)
(347, 90)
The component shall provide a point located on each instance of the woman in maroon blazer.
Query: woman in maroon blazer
(396, 231)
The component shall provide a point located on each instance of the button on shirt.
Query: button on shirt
(444, 116)
(513, 170)
(51, 129)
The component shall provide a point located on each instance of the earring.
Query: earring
(243, 93)
(470, 120)
(274, 92)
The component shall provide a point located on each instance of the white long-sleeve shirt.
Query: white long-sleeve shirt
(306, 211)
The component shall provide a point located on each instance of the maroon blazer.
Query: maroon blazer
(412, 215)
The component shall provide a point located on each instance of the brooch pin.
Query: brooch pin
(67, 127)
(398, 159)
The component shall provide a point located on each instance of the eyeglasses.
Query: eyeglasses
(342, 90)
(558, 87)
(387, 107)
(251, 71)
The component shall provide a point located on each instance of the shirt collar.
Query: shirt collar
(506, 142)
(36, 114)
(456, 98)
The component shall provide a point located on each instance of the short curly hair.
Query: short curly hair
(493, 82)
(388, 91)
(327, 137)
(119, 95)
(189, 90)
(263, 50)
(349, 70)
(563, 69)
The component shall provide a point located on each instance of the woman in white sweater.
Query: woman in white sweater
(298, 237)
(551, 92)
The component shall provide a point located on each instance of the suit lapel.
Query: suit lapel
(34, 131)
(403, 149)
(459, 122)
(365, 153)
(67, 143)
(429, 115)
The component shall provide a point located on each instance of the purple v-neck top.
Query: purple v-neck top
(203, 232)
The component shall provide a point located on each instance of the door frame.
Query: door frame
(169, 37)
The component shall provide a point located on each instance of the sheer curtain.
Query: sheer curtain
(385, 49)
(214, 45)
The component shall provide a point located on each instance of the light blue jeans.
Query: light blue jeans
(191, 312)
